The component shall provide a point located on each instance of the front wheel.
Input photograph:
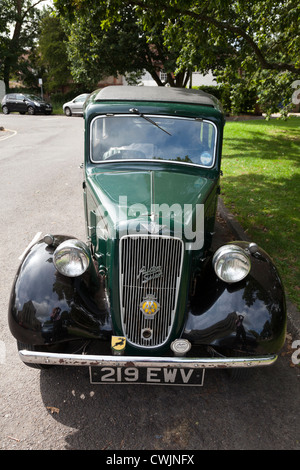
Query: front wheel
(31, 110)
(68, 112)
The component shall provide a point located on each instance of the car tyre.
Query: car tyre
(68, 112)
(31, 110)
(30, 347)
(5, 110)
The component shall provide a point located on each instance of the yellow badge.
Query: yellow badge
(149, 306)
(118, 343)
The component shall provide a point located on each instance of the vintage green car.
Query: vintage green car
(147, 298)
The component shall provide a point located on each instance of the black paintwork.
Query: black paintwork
(248, 316)
(47, 308)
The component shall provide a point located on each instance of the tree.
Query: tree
(266, 30)
(251, 46)
(97, 49)
(19, 22)
(52, 53)
(254, 45)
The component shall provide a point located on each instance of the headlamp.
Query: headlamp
(71, 258)
(231, 263)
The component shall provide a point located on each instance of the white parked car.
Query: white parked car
(75, 106)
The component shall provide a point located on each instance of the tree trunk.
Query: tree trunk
(6, 74)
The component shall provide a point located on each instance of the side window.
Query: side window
(11, 97)
(20, 97)
(78, 99)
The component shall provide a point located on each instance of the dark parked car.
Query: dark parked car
(23, 103)
(147, 298)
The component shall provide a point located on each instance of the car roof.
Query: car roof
(158, 94)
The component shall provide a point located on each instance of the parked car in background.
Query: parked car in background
(75, 106)
(148, 297)
(25, 103)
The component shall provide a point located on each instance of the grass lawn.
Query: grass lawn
(260, 186)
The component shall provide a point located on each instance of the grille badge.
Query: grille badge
(149, 306)
(147, 275)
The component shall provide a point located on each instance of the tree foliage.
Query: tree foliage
(52, 53)
(97, 49)
(19, 27)
(267, 31)
(254, 44)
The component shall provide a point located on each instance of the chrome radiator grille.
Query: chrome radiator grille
(150, 267)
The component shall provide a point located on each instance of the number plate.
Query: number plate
(146, 375)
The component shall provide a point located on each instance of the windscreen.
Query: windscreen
(35, 98)
(146, 137)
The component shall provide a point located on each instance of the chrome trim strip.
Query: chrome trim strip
(143, 361)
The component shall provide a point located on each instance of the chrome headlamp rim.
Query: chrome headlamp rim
(71, 258)
(227, 254)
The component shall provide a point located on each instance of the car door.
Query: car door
(77, 105)
(11, 102)
(20, 105)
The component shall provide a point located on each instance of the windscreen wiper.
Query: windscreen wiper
(136, 111)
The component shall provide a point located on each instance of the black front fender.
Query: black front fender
(46, 307)
(246, 316)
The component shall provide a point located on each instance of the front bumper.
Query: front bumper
(31, 357)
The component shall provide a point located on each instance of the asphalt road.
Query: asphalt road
(40, 192)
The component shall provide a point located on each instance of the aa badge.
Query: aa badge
(149, 306)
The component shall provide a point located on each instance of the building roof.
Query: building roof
(156, 93)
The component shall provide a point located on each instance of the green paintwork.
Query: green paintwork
(145, 184)
(148, 188)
